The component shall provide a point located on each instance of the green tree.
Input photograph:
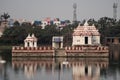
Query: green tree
(108, 27)
(48, 33)
(67, 34)
(14, 35)
(26, 24)
(104, 24)
(16, 23)
(5, 16)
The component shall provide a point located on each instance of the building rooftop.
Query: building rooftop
(86, 30)
(31, 38)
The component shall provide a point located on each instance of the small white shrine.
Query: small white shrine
(86, 35)
(30, 41)
(57, 42)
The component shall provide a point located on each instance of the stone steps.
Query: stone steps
(60, 52)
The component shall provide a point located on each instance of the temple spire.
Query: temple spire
(86, 23)
(28, 36)
(33, 35)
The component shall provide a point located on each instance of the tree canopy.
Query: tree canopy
(107, 27)
(5, 16)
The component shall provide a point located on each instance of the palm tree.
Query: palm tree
(5, 16)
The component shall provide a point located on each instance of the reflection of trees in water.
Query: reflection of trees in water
(6, 54)
(31, 65)
(114, 53)
(111, 73)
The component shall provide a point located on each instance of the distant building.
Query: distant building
(86, 35)
(57, 23)
(44, 23)
(37, 23)
(41, 23)
(11, 22)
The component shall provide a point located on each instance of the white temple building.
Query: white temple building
(30, 41)
(86, 35)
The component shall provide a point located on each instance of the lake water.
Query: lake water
(59, 69)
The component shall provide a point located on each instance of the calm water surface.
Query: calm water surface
(59, 69)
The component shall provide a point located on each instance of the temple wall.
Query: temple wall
(89, 40)
(98, 39)
(78, 40)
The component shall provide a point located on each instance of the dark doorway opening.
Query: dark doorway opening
(86, 40)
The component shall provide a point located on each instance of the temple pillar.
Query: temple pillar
(89, 40)
(35, 44)
(26, 44)
(98, 39)
(31, 44)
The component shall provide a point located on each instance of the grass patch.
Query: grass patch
(5, 47)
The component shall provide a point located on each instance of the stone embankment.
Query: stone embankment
(32, 51)
(78, 51)
(87, 51)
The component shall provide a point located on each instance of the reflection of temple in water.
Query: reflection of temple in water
(86, 72)
(30, 65)
(82, 68)
(2, 71)
(87, 69)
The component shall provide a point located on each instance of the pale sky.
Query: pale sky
(63, 9)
